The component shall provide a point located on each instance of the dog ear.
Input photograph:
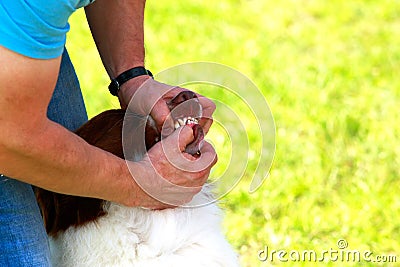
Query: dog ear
(61, 211)
(105, 131)
(47, 207)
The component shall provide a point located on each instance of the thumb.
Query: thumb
(160, 114)
(179, 139)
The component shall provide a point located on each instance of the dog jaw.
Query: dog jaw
(185, 110)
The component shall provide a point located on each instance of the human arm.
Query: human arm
(118, 30)
(38, 151)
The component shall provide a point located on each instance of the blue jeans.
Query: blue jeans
(23, 239)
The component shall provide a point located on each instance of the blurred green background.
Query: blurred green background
(330, 73)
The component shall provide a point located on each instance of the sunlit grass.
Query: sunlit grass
(329, 70)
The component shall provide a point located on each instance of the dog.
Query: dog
(93, 232)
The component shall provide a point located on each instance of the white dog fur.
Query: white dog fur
(179, 237)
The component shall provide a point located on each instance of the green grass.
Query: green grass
(330, 72)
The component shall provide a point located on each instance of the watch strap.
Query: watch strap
(116, 83)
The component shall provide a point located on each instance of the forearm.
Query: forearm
(35, 150)
(51, 157)
(117, 28)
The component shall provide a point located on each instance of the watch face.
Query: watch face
(114, 87)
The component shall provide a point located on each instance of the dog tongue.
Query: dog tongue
(194, 147)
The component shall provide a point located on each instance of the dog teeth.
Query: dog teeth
(185, 121)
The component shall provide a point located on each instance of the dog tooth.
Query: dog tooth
(180, 122)
(176, 125)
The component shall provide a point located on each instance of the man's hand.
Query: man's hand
(146, 96)
(170, 177)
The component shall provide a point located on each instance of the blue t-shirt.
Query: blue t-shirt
(36, 28)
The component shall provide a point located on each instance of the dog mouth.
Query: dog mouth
(186, 110)
(192, 148)
(186, 121)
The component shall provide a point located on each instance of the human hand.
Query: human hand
(146, 96)
(169, 177)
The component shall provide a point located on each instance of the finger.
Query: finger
(208, 106)
(208, 154)
(185, 136)
(206, 124)
(208, 110)
(179, 139)
(208, 158)
(161, 113)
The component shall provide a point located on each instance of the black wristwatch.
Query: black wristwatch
(116, 83)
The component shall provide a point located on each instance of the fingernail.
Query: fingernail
(166, 131)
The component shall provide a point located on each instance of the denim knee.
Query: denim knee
(23, 239)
